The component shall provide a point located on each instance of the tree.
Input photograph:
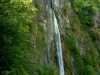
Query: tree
(88, 70)
(15, 20)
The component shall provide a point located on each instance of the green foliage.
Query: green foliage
(84, 27)
(94, 35)
(15, 45)
(85, 18)
(89, 63)
(98, 50)
(78, 63)
(78, 5)
(72, 44)
(90, 58)
(88, 70)
(78, 60)
(49, 70)
(37, 5)
(65, 8)
(74, 18)
(15, 71)
(84, 10)
(89, 40)
(99, 73)
(75, 22)
(98, 47)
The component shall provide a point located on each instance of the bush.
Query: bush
(72, 44)
(85, 18)
(90, 58)
(37, 5)
(65, 8)
(48, 70)
(94, 35)
(78, 61)
(87, 70)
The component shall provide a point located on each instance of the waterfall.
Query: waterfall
(59, 47)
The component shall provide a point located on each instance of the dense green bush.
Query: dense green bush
(87, 70)
(89, 40)
(72, 44)
(85, 9)
(86, 20)
(37, 5)
(49, 70)
(98, 50)
(90, 58)
(78, 61)
(94, 35)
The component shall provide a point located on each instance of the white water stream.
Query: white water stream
(59, 47)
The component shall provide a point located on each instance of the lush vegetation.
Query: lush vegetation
(16, 38)
(82, 37)
(85, 8)
(21, 41)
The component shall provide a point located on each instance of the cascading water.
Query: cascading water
(59, 47)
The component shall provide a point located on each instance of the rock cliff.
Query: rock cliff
(80, 39)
